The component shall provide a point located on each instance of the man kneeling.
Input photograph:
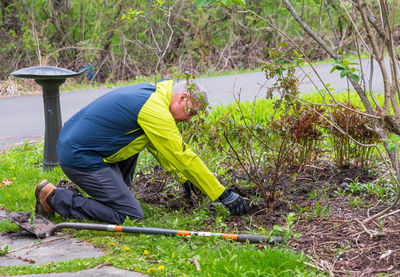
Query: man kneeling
(98, 149)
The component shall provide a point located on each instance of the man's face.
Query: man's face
(182, 108)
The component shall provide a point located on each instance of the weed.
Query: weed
(374, 189)
(380, 224)
(320, 211)
(355, 187)
(286, 232)
(341, 251)
(340, 192)
(318, 193)
(356, 202)
(256, 199)
(4, 250)
(302, 210)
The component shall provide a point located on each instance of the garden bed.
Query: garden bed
(326, 212)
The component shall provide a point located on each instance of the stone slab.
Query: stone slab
(53, 249)
(2, 214)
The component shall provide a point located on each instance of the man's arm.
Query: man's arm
(234, 202)
(172, 171)
(160, 128)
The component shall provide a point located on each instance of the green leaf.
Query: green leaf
(299, 61)
(391, 147)
(240, 2)
(291, 217)
(283, 44)
(340, 67)
(344, 73)
(277, 228)
(337, 67)
(355, 77)
(200, 3)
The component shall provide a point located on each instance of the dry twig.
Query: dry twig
(196, 264)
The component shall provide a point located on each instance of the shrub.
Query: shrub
(303, 128)
(355, 126)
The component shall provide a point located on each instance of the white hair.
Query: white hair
(198, 93)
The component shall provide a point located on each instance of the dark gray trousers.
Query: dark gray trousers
(111, 200)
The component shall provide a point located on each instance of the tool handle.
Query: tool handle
(160, 231)
(257, 238)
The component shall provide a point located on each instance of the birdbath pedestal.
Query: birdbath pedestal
(50, 78)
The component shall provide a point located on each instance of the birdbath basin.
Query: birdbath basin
(50, 78)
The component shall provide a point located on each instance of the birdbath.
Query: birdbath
(50, 78)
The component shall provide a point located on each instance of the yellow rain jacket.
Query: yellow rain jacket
(125, 121)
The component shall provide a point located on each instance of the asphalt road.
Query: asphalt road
(22, 117)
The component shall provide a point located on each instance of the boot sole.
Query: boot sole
(38, 189)
(39, 209)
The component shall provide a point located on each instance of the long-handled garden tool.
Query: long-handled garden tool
(162, 231)
(43, 227)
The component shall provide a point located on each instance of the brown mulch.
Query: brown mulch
(333, 239)
(341, 245)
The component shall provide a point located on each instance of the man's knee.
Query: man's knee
(134, 215)
(140, 215)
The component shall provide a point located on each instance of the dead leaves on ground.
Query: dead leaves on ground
(5, 183)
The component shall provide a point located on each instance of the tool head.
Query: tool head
(37, 225)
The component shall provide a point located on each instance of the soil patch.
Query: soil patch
(341, 246)
(327, 221)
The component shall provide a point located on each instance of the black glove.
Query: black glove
(234, 202)
(188, 186)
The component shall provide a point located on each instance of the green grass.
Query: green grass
(6, 225)
(153, 255)
(160, 256)
(352, 57)
(19, 195)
